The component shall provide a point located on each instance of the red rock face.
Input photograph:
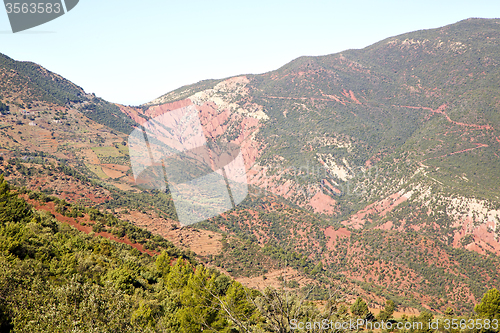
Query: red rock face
(133, 113)
(157, 110)
(315, 199)
(483, 237)
(219, 123)
(216, 123)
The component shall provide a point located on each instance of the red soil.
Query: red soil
(333, 234)
(380, 208)
(483, 237)
(132, 113)
(76, 222)
(202, 242)
(330, 186)
(350, 94)
(322, 203)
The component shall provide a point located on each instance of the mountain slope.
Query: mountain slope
(375, 170)
(400, 137)
(29, 85)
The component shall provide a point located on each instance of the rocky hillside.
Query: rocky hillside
(376, 170)
(395, 141)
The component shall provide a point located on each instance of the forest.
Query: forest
(54, 278)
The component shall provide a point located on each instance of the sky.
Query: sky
(131, 52)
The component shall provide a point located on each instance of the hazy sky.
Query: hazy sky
(131, 52)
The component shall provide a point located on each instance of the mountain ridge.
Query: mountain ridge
(397, 79)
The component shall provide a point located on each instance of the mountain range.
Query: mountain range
(375, 171)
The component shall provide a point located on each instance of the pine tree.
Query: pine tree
(12, 209)
(490, 305)
(388, 311)
(359, 308)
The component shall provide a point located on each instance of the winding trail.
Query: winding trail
(440, 110)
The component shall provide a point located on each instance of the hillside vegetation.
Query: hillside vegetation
(372, 172)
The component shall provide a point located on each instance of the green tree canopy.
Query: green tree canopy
(490, 305)
(359, 308)
(388, 311)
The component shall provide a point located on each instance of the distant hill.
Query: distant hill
(29, 85)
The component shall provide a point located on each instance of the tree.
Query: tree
(388, 311)
(12, 209)
(424, 318)
(163, 263)
(490, 305)
(449, 312)
(359, 308)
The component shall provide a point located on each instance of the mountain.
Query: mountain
(374, 171)
(392, 148)
(28, 85)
